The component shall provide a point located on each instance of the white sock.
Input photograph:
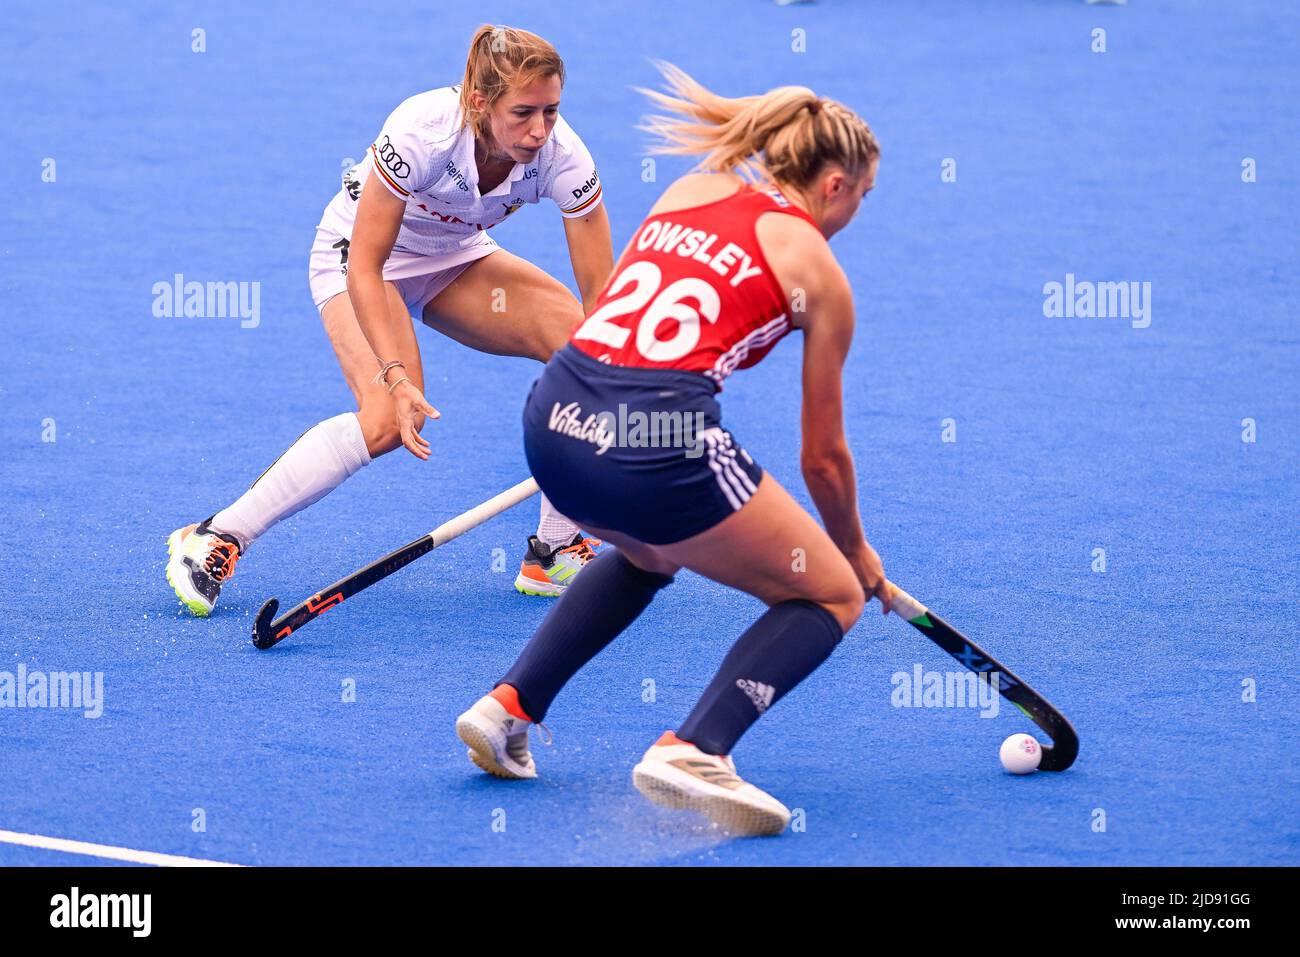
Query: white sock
(315, 465)
(553, 528)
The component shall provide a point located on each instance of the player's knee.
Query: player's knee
(649, 560)
(382, 441)
(549, 342)
(555, 331)
(845, 600)
(851, 609)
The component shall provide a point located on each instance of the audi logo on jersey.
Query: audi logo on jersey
(392, 159)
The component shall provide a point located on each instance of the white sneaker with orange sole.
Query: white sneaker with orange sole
(497, 740)
(679, 775)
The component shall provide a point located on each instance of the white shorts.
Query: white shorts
(418, 278)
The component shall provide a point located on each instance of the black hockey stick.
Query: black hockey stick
(268, 633)
(1058, 755)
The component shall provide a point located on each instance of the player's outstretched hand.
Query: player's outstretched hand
(411, 408)
(866, 563)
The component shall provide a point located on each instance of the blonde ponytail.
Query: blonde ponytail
(788, 134)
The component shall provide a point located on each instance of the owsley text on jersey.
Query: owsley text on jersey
(666, 237)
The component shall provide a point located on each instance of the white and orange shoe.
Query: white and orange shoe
(199, 562)
(496, 733)
(677, 774)
(547, 571)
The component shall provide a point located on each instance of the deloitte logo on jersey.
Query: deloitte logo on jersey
(587, 187)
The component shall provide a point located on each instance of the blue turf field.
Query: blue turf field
(1071, 434)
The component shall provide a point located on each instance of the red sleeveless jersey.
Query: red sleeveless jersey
(693, 291)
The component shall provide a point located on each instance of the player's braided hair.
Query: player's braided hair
(502, 59)
(789, 132)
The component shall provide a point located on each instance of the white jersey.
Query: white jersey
(423, 156)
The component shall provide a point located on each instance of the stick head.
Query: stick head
(263, 636)
(1061, 753)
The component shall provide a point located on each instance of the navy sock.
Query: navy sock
(604, 599)
(777, 652)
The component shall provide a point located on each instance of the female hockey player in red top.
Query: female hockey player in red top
(720, 270)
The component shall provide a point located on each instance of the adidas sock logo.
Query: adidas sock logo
(757, 692)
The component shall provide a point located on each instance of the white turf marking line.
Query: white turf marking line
(107, 850)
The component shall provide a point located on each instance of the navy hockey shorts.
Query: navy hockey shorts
(637, 451)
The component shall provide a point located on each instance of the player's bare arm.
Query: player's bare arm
(379, 217)
(591, 252)
(822, 306)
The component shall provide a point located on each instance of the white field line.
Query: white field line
(107, 851)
